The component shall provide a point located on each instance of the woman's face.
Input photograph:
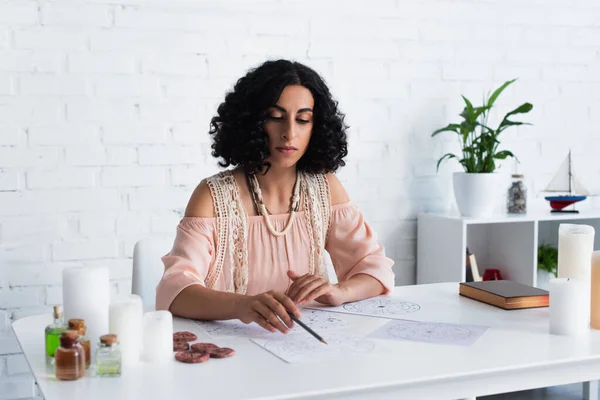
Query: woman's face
(289, 126)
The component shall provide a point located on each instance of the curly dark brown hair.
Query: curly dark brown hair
(238, 132)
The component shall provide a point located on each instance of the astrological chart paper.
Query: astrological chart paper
(430, 332)
(374, 307)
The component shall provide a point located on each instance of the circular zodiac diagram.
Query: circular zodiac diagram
(382, 307)
(429, 332)
(322, 320)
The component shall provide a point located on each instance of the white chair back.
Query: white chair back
(148, 268)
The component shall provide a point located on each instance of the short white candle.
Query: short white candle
(568, 306)
(125, 321)
(158, 336)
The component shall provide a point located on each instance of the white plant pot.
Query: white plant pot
(476, 193)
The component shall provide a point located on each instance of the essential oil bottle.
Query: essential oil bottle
(79, 326)
(69, 360)
(52, 335)
(108, 356)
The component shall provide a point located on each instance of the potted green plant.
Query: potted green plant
(547, 264)
(476, 188)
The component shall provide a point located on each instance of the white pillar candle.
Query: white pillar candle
(86, 295)
(568, 306)
(158, 336)
(575, 247)
(125, 321)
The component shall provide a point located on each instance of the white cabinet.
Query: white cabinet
(506, 242)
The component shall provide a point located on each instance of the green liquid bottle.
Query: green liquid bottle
(52, 335)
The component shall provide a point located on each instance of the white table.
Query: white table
(516, 353)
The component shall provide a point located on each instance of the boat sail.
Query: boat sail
(565, 181)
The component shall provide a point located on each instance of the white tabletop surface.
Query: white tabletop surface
(517, 352)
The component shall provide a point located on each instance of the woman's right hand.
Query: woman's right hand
(268, 310)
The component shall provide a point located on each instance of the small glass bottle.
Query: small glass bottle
(52, 335)
(79, 326)
(108, 356)
(69, 364)
(516, 200)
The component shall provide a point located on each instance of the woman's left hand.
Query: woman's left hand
(312, 287)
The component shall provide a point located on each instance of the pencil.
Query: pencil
(292, 316)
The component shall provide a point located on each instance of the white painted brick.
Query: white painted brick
(135, 134)
(20, 297)
(53, 85)
(188, 89)
(32, 157)
(359, 69)
(44, 38)
(182, 64)
(148, 41)
(170, 155)
(214, 21)
(128, 17)
(413, 71)
(181, 111)
(93, 155)
(133, 176)
(166, 224)
(84, 250)
(464, 71)
(504, 72)
(64, 178)
(10, 180)
(267, 46)
(148, 199)
(54, 295)
(75, 15)
(17, 364)
(117, 86)
(23, 252)
(230, 68)
(193, 133)
(8, 341)
(6, 85)
(293, 25)
(23, 274)
(368, 49)
(360, 28)
(4, 37)
(97, 225)
(133, 224)
(29, 61)
(2, 365)
(46, 110)
(65, 135)
(30, 228)
(19, 13)
(17, 387)
(90, 200)
(101, 111)
(101, 62)
(585, 37)
(184, 175)
(561, 73)
(121, 155)
(4, 325)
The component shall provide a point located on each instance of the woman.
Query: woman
(251, 243)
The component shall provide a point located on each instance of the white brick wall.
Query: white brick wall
(105, 105)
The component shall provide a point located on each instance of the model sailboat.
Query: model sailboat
(565, 181)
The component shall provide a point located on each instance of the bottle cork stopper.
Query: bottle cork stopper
(68, 338)
(57, 312)
(76, 324)
(109, 339)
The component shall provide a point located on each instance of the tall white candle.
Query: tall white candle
(86, 295)
(575, 247)
(595, 291)
(568, 306)
(125, 321)
(158, 336)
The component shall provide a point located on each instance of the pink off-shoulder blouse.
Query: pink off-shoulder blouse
(351, 244)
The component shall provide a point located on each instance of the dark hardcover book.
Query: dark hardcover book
(505, 294)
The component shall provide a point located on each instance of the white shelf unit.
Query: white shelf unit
(506, 242)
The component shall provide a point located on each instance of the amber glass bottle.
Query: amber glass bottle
(69, 359)
(79, 326)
